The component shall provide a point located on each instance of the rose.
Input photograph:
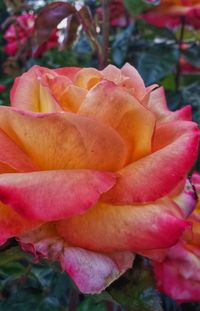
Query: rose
(179, 274)
(170, 12)
(18, 34)
(92, 164)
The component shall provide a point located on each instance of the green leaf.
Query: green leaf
(190, 95)
(192, 55)
(156, 62)
(135, 7)
(120, 45)
(135, 289)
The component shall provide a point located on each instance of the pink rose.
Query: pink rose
(179, 274)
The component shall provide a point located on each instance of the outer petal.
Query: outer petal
(117, 108)
(91, 271)
(135, 79)
(12, 157)
(65, 140)
(156, 175)
(30, 94)
(158, 105)
(12, 224)
(179, 275)
(69, 72)
(54, 194)
(112, 228)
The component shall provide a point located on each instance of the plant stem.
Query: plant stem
(180, 41)
(105, 32)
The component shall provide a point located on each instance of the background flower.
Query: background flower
(170, 12)
(178, 275)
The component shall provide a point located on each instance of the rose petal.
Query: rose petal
(178, 275)
(117, 108)
(135, 79)
(69, 72)
(109, 228)
(30, 94)
(87, 78)
(54, 194)
(12, 157)
(12, 224)
(158, 105)
(92, 272)
(65, 140)
(157, 174)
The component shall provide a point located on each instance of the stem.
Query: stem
(180, 41)
(105, 32)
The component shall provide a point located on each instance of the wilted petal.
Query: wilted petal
(92, 272)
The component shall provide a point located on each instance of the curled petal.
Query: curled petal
(51, 195)
(124, 227)
(157, 174)
(29, 93)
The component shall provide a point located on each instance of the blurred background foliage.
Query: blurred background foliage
(74, 33)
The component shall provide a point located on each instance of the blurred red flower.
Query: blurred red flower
(2, 88)
(170, 12)
(18, 35)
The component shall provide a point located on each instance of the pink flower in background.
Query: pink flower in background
(170, 12)
(2, 88)
(178, 275)
(93, 170)
(18, 35)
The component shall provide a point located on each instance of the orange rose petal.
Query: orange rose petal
(111, 228)
(114, 106)
(135, 80)
(148, 179)
(69, 72)
(13, 158)
(87, 78)
(12, 224)
(52, 195)
(65, 140)
(30, 94)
